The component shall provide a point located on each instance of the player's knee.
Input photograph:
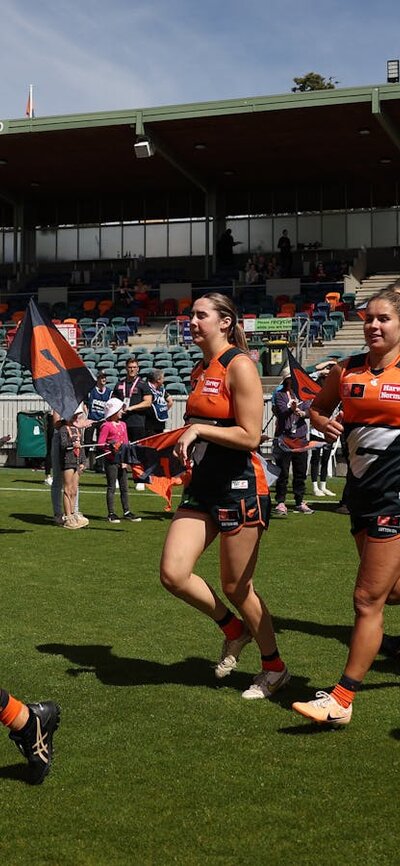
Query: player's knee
(170, 580)
(364, 601)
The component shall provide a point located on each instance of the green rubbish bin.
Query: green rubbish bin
(31, 434)
(274, 357)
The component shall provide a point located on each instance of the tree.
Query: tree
(313, 81)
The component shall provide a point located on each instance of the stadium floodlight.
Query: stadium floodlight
(143, 147)
(393, 71)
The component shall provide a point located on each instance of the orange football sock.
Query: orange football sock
(343, 696)
(11, 711)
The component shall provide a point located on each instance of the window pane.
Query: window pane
(134, 240)
(333, 231)
(359, 230)
(67, 244)
(46, 245)
(260, 235)
(179, 239)
(240, 229)
(156, 241)
(111, 237)
(309, 229)
(89, 243)
(384, 230)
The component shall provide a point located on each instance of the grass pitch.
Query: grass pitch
(156, 762)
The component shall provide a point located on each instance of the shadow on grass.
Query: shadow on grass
(38, 519)
(16, 772)
(395, 733)
(341, 633)
(114, 670)
(12, 531)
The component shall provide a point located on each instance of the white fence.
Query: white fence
(11, 405)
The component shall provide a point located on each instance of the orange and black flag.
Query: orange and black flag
(58, 373)
(153, 462)
(303, 385)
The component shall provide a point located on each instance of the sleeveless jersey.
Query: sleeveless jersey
(371, 406)
(210, 399)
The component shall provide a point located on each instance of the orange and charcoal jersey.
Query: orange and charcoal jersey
(223, 474)
(371, 406)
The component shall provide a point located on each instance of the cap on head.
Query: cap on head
(112, 407)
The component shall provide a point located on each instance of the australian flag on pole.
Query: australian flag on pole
(58, 373)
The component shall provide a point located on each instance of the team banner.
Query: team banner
(58, 373)
(153, 463)
(303, 385)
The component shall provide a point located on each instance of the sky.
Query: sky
(105, 55)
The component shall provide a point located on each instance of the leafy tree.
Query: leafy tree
(313, 81)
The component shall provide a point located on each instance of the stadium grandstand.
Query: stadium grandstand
(90, 204)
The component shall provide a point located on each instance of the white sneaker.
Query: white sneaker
(48, 480)
(318, 492)
(324, 710)
(266, 684)
(327, 492)
(230, 653)
(140, 486)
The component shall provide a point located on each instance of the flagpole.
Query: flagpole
(31, 100)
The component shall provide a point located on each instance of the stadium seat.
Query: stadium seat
(9, 388)
(177, 388)
(27, 388)
(104, 306)
(89, 305)
(333, 298)
(338, 317)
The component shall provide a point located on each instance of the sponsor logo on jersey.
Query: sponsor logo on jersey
(240, 484)
(353, 390)
(212, 386)
(389, 392)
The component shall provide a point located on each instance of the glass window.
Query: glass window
(46, 245)
(179, 239)
(199, 237)
(334, 231)
(67, 244)
(240, 232)
(384, 228)
(260, 235)
(89, 243)
(309, 229)
(111, 242)
(134, 240)
(156, 241)
(359, 230)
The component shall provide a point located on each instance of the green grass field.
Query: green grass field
(155, 763)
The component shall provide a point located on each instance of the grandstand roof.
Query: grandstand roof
(280, 149)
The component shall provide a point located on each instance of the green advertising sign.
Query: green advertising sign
(273, 325)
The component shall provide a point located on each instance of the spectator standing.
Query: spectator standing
(96, 401)
(291, 415)
(137, 399)
(157, 414)
(72, 465)
(113, 435)
(285, 254)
